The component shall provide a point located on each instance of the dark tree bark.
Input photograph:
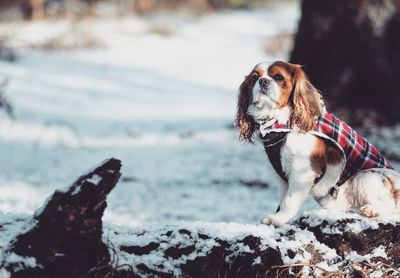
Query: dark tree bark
(33, 9)
(4, 4)
(66, 240)
(350, 50)
(260, 260)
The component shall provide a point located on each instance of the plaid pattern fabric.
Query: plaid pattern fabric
(360, 154)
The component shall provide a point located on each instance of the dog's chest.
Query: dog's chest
(289, 151)
(296, 152)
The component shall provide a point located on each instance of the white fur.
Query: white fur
(295, 159)
(365, 193)
(264, 105)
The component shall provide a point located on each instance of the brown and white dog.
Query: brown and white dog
(278, 101)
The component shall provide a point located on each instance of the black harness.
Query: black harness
(273, 143)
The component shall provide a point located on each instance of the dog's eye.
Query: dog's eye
(278, 77)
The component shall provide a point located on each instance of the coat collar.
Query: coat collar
(272, 125)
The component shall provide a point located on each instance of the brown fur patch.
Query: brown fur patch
(396, 194)
(286, 85)
(245, 122)
(298, 92)
(333, 156)
(305, 101)
(260, 71)
(318, 157)
(389, 185)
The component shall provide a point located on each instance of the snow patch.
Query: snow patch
(13, 225)
(95, 179)
(332, 217)
(20, 197)
(20, 261)
(187, 234)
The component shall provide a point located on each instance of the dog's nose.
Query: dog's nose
(264, 81)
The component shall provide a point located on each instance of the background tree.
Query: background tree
(33, 9)
(350, 49)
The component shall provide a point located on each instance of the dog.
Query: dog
(311, 151)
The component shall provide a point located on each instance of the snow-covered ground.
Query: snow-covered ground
(163, 104)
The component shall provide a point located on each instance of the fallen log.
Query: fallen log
(65, 235)
(319, 244)
(66, 238)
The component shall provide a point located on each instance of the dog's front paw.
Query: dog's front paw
(368, 211)
(274, 219)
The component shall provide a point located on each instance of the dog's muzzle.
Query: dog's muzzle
(264, 85)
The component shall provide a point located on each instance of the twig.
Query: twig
(326, 273)
(370, 267)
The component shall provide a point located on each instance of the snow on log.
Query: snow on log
(319, 244)
(66, 238)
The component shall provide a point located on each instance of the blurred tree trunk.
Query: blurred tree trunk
(144, 6)
(69, 9)
(91, 10)
(33, 9)
(7, 3)
(350, 50)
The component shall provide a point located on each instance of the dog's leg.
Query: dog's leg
(283, 191)
(296, 163)
(298, 190)
(279, 182)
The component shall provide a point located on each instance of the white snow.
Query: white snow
(316, 217)
(232, 232)
(13, 225)
(377, 252)
(95, 179)
(164, 105)
(22, 262)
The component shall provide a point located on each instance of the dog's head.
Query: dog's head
(273, 91)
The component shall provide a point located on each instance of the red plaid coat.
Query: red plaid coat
(359, 153)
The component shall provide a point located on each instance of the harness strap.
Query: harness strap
(272, 145)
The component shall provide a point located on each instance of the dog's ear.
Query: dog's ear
(243, 121)
(305, 101)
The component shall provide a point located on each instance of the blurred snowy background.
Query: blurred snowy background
(154, 87)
